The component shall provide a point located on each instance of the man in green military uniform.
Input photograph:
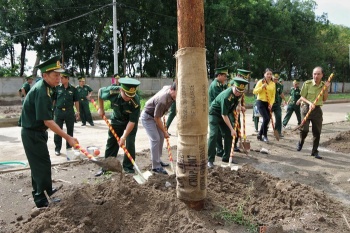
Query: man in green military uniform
(220, 118)
(293, 104)
(124, 120)
(24, 91)
(37, 117)
(245, 74)
(309, 92)
(65, 98)
(276, 107)
(217, 86)
(84, 92)
(115, 79)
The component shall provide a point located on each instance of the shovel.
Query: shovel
(232, 146)
(310, 110)
(277, 135)
(245, 144)
(140, 178)
(170, 171)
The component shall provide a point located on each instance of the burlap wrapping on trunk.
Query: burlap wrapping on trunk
(192, 113)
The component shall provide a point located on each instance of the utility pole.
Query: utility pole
(115, 44)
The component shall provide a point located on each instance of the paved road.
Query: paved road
(11, 148)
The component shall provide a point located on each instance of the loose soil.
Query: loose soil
(283, 191)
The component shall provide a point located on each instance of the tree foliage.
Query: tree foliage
(284, 35)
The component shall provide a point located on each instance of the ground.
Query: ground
(284, 190)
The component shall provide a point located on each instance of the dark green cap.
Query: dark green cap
(243, 73)
(65, 74)
(276, 74)
(116, 76)
(29, 77)
(53, 64)
(129, 86)
(239, 83)
(81, 78)
(221, 70)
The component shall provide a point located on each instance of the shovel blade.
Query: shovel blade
(143, 177)
(171, 170)
(277, 135)
(109, 164)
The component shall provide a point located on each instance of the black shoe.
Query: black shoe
(316, 155)
(129, 170)
(159, 170)
(236, 149)
(100, 173)
(299, 146)
(83, 124)
(259, 137)
(57, 153)
(91, 123)
(164, 164)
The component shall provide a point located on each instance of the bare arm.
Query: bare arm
(101, 110)
(160, 125)
(77, 114)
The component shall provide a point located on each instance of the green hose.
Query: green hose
(13, 162)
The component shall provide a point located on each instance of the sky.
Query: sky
(337, 10)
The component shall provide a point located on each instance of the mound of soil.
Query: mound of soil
(340, 143)
(113, 204)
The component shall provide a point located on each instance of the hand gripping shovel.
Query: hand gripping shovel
(310, 110)
(232, 146)
(109, 164)
(140, 178)
(277, 135)
(170, 171)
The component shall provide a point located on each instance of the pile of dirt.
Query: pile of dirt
(247, 195)
(340, 143)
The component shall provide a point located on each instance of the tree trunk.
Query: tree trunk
(43, 41)
(97, 47)
(192, 104)
(24, 45)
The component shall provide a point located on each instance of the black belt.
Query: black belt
(65, 109)
(149, 114)
(37, 129)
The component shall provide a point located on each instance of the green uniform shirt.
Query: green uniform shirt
(37, 106)
(26, 87)
(215, 89)
(310, 91)
(224, 103)
(83, 91)
(294, 95)
(123, 111)
(279, 90)
(65, 97)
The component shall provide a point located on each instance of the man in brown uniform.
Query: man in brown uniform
(309, 93)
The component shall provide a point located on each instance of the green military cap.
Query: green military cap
(295, 81)
(116, 76)
(81, 78)
(239, 83)
(276, 74)
(129, 86)
(221, 70)
(29, 77)
(53, 64)
(244, 73)
(65, 74)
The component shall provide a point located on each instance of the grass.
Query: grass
(238, 216)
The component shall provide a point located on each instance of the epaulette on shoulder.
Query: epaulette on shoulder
(114, 92)
(134, 103)
(230, 97)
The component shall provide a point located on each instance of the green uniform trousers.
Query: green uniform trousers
(85, 114)
(171, 116)
(112, 146)
(64, 116)
(35, 147)
(316, 118)
(277, 110)
(216, 125)
(290, 109)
